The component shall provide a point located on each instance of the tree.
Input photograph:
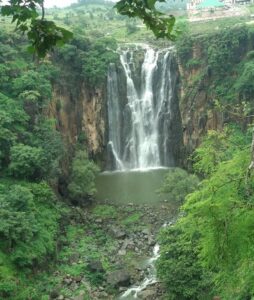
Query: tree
(177, 184)
(13, 123)
(161, 25)
(29, 222)
(178, 265)
(44, 35)
(82, 180)
(27, 162)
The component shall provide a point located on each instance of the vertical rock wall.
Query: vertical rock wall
(81, 117)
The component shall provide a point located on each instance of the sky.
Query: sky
(59, 3)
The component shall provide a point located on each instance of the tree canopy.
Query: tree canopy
(29, 18)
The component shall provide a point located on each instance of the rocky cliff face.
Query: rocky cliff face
(81, 116)
(197, 109)
(81, 111)
(210, 67)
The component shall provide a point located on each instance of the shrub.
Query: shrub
(105, 211)
(29, 222)
(82, 179)
(178, 184)
(26, 162)
(178, 266)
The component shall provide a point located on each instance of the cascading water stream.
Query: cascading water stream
(134, 291)
(139, 125)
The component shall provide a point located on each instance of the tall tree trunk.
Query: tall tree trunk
(251, 166)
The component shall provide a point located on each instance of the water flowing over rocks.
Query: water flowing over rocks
(144, 121)
(131, 255)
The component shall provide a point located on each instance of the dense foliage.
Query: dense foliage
(179, 267)
(209, 250)
(44, 34)
(223, 68)
(218, 219)
(31, 153)
(82, 178)
(161, 24)
(177, 184)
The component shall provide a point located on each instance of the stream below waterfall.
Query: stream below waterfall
(133, 292)
(139, 188)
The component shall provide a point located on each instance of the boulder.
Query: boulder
(80, 296)
(119, 278)
(95, 266)
(148, 294)
(54, 294)
(117, 233)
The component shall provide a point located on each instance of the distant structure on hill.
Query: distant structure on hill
(173, 5)
(208, 4)
(200, 10)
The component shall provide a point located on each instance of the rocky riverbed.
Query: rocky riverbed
(106, 251)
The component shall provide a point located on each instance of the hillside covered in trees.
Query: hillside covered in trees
(59, 240)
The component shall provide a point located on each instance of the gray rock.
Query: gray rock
(104, 295)
(148, 294)
(151, 241)
(78, 278)
(80, 296)
(128, 244)
(121, 252)
(119, 278)
(67, 281)
(146, 231)
(117, 232)
(54, 294)
(95, 266)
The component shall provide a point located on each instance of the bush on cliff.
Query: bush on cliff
(82, 180)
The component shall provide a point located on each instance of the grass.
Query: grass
(132, 219)
(105, 212)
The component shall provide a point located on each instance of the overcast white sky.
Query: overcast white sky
(58, 3)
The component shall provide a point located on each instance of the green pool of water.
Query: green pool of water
(138, 187)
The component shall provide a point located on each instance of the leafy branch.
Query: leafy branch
(161, 24)
(44, 35)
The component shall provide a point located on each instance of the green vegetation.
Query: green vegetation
(44, 34)
(97, 59)
(177, 184)
(82, 178)
(209, 251)
(132, 219)
(105, 211)
(179, 267)
(32, 152)
(213, 238)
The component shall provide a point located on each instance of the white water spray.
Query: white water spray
(136, 142)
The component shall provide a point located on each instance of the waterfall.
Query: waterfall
(139, 109)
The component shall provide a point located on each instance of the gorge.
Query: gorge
(111, 136)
